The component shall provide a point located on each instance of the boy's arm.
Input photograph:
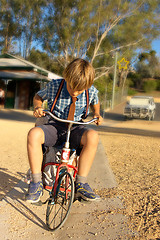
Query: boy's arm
(96, 113)
(37, 102)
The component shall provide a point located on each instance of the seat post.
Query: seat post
(66, 145)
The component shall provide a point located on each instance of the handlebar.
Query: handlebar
(68, 121)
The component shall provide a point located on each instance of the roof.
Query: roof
(10, 62)
(25, 75)
(6, 62)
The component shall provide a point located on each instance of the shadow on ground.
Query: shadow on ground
(15, 196)
(7, 181)
(13, 115)
(129, 131)
(113, 116)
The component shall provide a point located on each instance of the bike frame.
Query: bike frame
(64, 160)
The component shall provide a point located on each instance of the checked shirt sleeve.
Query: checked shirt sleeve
(44, 93)
(94, 96)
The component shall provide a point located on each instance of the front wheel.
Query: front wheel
(59, 206)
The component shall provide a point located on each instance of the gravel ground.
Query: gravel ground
(135, 162)
(134, 159)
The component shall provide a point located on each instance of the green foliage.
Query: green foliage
(135, 80)
(8, 26)
(93, 30)
(130, 82)
(104, 86)
(147, 65)
(131, 92)
(149, 85)
(19, 21)
(43, 60)
(158, 85)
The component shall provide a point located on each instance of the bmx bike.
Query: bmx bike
(62, 193)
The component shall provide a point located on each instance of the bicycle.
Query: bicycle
(62, 193)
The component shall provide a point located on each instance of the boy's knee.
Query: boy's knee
(36, 134)
(92, 137)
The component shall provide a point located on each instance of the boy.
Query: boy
(79, 76)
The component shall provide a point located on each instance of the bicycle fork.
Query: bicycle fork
(64, 157)
(66, 150)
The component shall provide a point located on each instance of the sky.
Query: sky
(156, 46)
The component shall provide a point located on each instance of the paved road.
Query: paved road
(113, 115)
(157, 115)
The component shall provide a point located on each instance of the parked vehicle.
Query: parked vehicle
(140, 107)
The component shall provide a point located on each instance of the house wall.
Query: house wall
(23, 93)
(19, 93)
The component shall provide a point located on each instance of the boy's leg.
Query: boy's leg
(89, 141)
(45, 134)
(34, 147)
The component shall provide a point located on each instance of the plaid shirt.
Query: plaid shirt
(64, 101)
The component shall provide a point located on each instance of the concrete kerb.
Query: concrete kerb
(101, 175)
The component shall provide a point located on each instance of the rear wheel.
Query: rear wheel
(59, 206)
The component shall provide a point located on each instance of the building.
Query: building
(20, 80)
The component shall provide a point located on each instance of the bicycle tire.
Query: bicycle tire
(59, 206)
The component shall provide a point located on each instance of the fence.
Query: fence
(106, 100)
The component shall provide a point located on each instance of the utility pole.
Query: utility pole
(114, 79)
(105, 100)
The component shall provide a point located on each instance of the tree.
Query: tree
(96, 29)
(147, 65)
(20, 21)
(8, 26)
(29, 16)
(43, 60)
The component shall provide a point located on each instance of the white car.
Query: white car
(140, 107)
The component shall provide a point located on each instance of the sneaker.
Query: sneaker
(35, 191)
(84, 191)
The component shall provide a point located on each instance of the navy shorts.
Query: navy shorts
(55, 134)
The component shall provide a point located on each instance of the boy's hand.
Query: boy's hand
(38, 112)
(100, 119)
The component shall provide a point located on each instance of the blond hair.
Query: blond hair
(79, 74)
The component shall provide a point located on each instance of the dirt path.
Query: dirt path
(13, 156)
(134, 159)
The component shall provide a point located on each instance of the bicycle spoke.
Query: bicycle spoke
(58, 212)
(55, 214)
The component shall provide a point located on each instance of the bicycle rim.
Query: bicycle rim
(59, 206)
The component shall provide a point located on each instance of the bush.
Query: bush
(102, 84)
(131, 91)
(149, 85)
(158, 85)
(134, 80)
